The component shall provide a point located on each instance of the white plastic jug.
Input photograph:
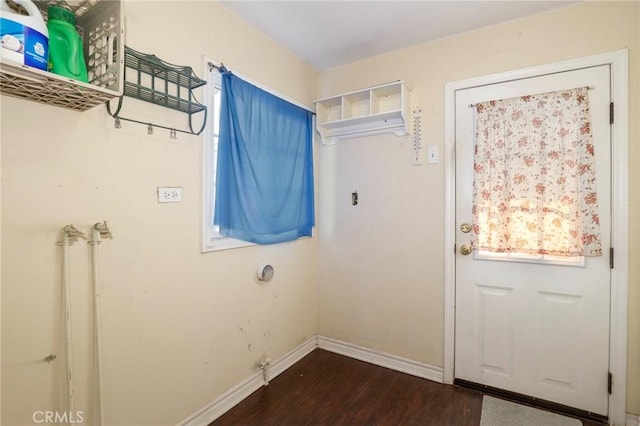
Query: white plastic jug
(23, 38)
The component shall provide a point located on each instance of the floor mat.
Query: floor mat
(498, 412)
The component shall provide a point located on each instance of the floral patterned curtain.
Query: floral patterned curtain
(534, 185)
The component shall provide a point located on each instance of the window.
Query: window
(534, 196)
(211, 238)
(290, 194)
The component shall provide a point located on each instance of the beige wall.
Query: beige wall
(381, 262)
(180, 327)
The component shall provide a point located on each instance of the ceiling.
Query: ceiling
(331, 33)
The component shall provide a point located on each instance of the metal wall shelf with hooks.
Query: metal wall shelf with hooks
(150, 79)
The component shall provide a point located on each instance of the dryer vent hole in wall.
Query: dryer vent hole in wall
(169, 194)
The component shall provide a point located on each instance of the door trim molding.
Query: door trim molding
(618, 60)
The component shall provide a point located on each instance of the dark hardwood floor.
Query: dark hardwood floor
(329, 389)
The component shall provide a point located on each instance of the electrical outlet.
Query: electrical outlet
(169, 194)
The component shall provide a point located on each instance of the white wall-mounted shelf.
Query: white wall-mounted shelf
(370, 111)
(22, 81)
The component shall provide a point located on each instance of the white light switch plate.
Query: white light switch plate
(432, 155)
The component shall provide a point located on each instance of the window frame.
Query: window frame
(211, 238)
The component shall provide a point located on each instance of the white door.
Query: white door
(532, 326)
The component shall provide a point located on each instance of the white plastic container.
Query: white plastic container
(23, 38)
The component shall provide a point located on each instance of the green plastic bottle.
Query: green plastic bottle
(65, 45)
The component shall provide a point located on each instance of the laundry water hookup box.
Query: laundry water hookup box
(374, 110)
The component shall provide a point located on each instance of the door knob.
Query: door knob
(465, 249)
(465, 227)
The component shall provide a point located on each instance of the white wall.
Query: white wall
(180, 327)
(381, 262)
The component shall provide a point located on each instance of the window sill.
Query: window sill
(225, 243)
(217, 244)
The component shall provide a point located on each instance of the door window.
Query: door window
(534, 185)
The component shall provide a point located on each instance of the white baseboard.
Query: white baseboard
(382, 359)
(235, 395)
(241, 391)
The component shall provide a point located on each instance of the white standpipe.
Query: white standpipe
(98, 231)
(69, 235)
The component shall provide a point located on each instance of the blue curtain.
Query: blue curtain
(264, 181)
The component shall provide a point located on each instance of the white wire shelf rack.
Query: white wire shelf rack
(25, 82)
